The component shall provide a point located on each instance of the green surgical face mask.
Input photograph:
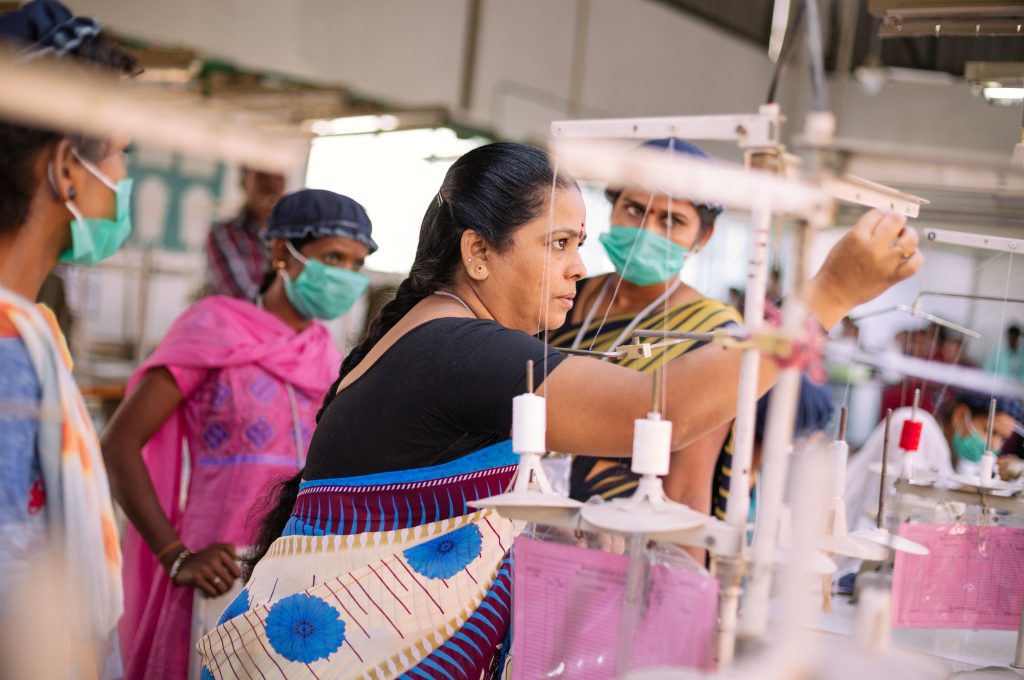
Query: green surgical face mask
(320, 291)
(94, 239)
(654, 259)
(969, 447)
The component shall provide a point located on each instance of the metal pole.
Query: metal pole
(885, 463)
(738, 504)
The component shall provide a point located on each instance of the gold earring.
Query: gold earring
(481, 271)
(280, 265)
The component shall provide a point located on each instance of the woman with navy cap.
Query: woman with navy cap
(652, 237)
(234, 386)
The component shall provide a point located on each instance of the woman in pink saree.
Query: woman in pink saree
(234, 386)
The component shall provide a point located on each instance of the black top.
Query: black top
(443, 390)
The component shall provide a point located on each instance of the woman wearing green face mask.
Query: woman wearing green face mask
(240, 382)
(651, 238)
(965, 423)
(64, 198)
(952, 442)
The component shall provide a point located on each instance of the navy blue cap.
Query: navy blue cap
(315, 213)
(674, 145)
(979, 403)
(45, 27)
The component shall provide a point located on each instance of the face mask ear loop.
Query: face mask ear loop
(96, 172)
(69, 204)
(75, 212)
(295, 253)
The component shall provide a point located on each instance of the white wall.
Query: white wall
(931, 115)
(998, 275)
(406, 51)
(639, 58)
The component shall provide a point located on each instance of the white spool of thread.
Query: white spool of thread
(529, 424)
(838, 453)
(907, 466)
(985, 469)
(652, 445)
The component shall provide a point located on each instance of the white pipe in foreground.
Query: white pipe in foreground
(738, 506)
(71, 99)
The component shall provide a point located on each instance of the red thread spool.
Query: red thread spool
(910, 437)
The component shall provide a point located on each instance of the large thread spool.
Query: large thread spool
(838, 454)
(652, 445)
(529, 424)
(986, 467)
(910, 436)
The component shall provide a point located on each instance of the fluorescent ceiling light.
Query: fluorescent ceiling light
(1004, 95)
(354, 125)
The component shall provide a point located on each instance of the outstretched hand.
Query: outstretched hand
(877, 253)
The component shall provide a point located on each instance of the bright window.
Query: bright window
(394, 175)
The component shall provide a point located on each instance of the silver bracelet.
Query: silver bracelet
(178, 561)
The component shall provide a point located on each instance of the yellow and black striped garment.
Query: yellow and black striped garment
(611, 477)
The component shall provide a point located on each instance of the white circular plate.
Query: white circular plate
(533, 499)
(922, 475)
(853, 546)
(883, 537)
(621, 516)
(992, 485)
(532, 507)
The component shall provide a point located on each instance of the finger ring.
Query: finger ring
(216, 579)
(900, 251)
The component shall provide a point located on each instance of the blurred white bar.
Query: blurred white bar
(727, 184)
(858, 190)
(982, 241)
(750, 130)
(80, 101)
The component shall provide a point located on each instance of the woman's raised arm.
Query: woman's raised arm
(592, 404)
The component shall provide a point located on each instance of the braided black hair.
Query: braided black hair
(493, 190)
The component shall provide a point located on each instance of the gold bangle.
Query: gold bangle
(168, 548)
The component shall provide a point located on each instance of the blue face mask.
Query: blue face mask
(320, 291)
(94, 239)
(642, 257)
(969, 447)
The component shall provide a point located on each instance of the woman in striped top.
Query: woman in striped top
(650, 239)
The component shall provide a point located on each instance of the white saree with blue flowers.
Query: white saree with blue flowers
(389, 575)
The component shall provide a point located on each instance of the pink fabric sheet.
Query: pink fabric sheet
(973, 577)
(567, 607)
